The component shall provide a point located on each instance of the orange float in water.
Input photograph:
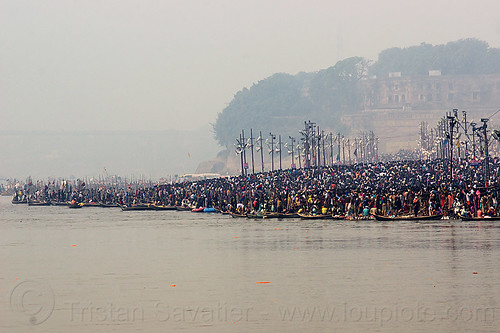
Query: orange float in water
(262, 282)
(73, 245)
(173, 285)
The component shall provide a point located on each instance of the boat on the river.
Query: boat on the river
(272, 215)
(409, 218)
(137, 207)
(205, 210)
(75, 205)
(184, 208)
(164, 207)
(315, 217)
(237, 215)
(38, 203)
(108, 205)
(91, 204)
(58, 203)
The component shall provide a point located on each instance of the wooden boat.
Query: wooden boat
(108, 205)
(408, 218)
(183, 208)
(15, 202)
(254, 216)
(38, 203)
(75, 205)
(91, 204)
(289, 216)
(236, 215)
(315, 217)
(484, 218)
(137, 207)
(272, 215)
(204, 210)
(161, 207)
(58, 203)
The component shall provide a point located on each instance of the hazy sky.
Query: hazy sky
(159, 64)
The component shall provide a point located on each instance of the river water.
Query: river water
(104, 270)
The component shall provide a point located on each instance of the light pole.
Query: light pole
(486, 154)
(272, 150)
(453, 121)
(279, 145)
(465, 131)
(251, 146)
(292, 165)
(473, 140)
(261, 151)
(239, 150)
(244, 151)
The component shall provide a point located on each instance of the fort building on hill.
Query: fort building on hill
(394, 106)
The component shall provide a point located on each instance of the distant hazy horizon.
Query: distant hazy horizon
(63, 154)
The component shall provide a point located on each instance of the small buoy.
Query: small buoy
(73, 245)
(235, 237)
(474, 272)
(262, 282)
(173, 285)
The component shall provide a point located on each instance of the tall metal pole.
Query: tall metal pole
(349, 150)
(323, 144)
(486, 153)
(331, 147)
(338, 144)
(244, 147)
(452, 124)
(279, 145)
(318, 162)
(298, 154)
(293, 160)
(272, 151)
(473, 140)
(241, 157)
(343, 150)
(261, 152)
(465, 131)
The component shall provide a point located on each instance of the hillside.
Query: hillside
(282, 102)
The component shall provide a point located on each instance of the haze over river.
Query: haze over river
(105, 270)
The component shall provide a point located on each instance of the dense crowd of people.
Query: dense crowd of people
(387, 188)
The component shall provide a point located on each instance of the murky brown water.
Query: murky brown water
(104, 270)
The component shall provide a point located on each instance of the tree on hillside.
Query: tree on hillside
(334, 90)
(265, 106)
(465, 56)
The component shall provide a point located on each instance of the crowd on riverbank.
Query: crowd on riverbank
(385, 188)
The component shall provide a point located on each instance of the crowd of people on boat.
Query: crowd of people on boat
(394, 188)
